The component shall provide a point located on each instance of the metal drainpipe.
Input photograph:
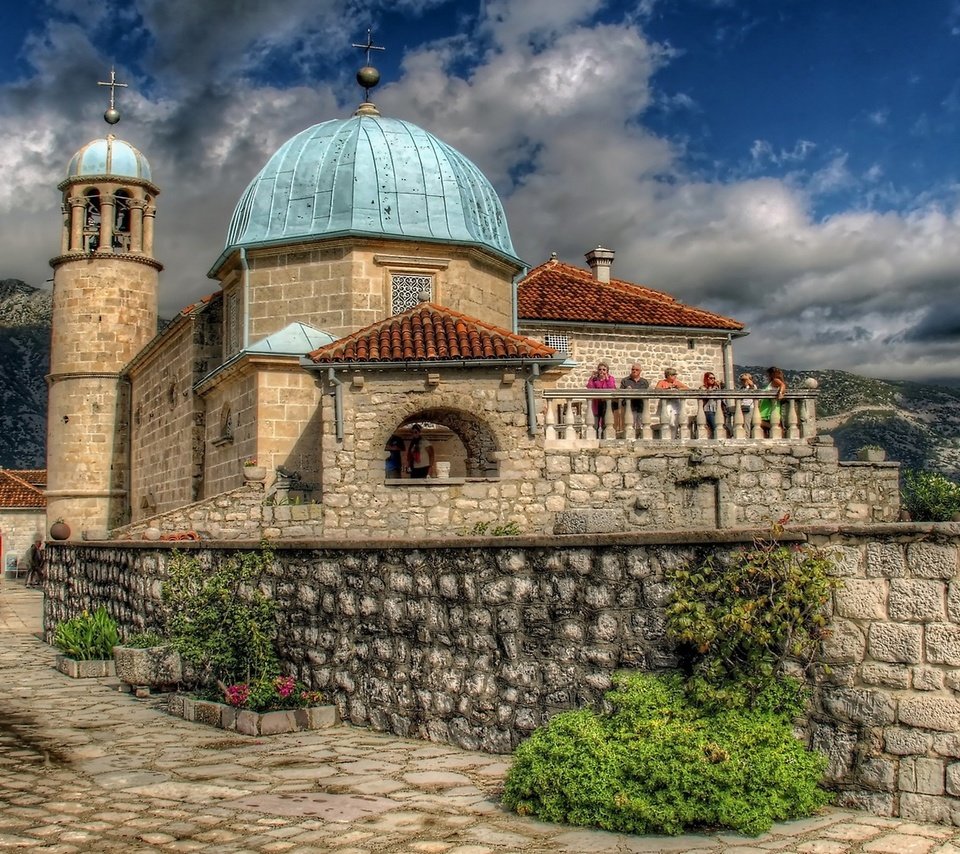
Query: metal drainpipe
(246, 297)
(514, 310)
(531, 412)
(337, 402)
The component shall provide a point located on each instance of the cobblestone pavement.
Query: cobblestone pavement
(84, 767)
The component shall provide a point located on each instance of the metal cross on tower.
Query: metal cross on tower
(112, 115)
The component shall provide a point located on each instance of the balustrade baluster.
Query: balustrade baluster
(568, 428)
(550, 420)
(738, 427)
(646, 420)
(629, 425)
(793, 426)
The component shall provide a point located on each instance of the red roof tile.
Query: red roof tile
(18, 492)
(430, 332)
(562, 292)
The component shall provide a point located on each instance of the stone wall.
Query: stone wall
(478, 642)
(584, 490)
(19, 529)
(887, 711)
(344, 285)
(168, 419)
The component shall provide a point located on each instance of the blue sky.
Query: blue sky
(791, 164)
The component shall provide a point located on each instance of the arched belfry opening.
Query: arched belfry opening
(459, 438)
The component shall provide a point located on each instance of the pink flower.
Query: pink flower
(237, 695)
(285, 686)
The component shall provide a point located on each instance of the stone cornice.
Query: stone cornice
(146, 260)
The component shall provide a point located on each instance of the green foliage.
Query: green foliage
(87, 636)
(144, 640)
(658, 763)
(737, 618)
(219, 620)
(930, 497)
(489, 529)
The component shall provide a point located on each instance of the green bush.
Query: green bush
(930, 497)
(87, 636)
(658, 763)
(736, 619)
(219, 620)
(144, 640)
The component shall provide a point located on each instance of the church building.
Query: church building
(368, 282)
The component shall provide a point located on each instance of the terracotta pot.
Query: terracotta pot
(60, 531)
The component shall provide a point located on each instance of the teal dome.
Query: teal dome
(110, 156)
(369, 175)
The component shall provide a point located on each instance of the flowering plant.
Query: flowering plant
(265, 695)
(250, 461)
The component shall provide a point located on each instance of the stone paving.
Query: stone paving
(84, 767)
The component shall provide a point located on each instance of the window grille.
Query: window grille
(560, 343)
(233, 324)
(407, 290)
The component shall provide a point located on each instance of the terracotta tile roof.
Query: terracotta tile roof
(199, 305)
(430, 332)
(21, 492)
(562, 292)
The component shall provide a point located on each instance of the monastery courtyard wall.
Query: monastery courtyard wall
(477, 642)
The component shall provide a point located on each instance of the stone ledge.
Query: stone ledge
(90, 669)
(247, 722)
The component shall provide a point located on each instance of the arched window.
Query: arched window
(91, 221)
(121, 221)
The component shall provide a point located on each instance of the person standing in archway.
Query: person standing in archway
(421, 461)
(35, 564)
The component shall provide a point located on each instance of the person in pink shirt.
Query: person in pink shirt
(601, 379)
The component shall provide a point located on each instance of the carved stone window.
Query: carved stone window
(407, 289)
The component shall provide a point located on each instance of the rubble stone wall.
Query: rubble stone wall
(477, 642)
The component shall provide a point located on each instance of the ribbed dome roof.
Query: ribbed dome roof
(110, 156)
(369, 175)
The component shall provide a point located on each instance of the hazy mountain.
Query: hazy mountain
(917, 423)
(24, 362)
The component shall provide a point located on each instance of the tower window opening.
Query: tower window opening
(121, 221)
(91, 221)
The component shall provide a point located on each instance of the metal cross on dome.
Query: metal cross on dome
(112, 115)
(369, 45)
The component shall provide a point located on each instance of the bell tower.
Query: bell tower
(104, 313)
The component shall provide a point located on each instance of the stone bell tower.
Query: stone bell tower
(104, 313)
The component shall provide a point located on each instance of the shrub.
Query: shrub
(659, 763)
(930, 497)
(219, 620)
(738, 618)
(144, 640)
(87, 636)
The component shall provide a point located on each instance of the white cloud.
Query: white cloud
(552, 110)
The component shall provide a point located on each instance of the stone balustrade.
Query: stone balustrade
(569, 416)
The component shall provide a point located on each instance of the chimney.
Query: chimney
(600, 261)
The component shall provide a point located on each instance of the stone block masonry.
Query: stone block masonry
(477, 642)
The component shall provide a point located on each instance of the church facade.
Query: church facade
(368, 282)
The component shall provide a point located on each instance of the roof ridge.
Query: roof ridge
(21, 481)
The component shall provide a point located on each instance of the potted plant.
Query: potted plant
(147, 662)
(871, 454)
(251, 471)
(86, 642)
(60, 530)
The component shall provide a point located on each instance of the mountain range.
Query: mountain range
(918, 424)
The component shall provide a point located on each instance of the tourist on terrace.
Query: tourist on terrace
(670, 408)
(601, 378)
(393, 465)
(634, 381)
(775, 381)
(746, 403)
(711, 404)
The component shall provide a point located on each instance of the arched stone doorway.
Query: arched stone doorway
(458, 437)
